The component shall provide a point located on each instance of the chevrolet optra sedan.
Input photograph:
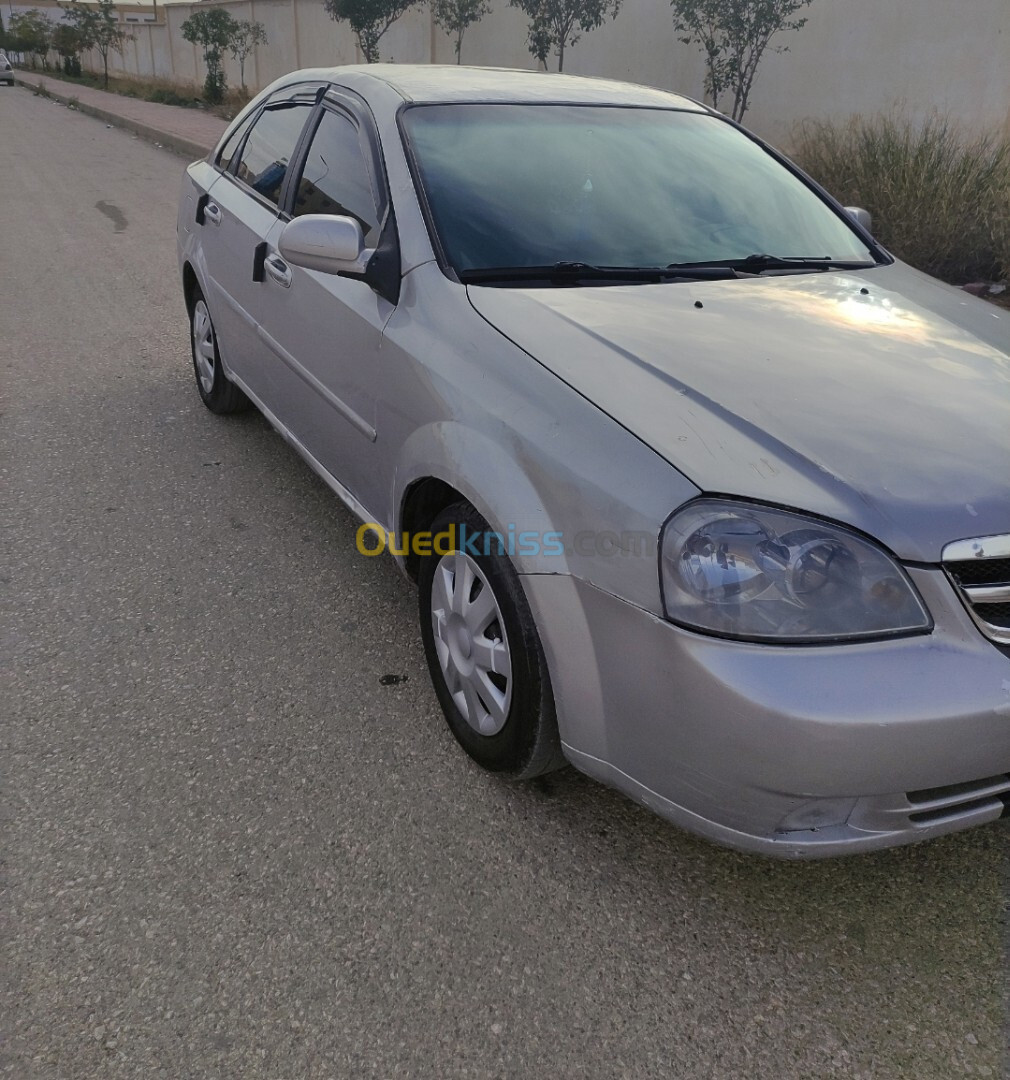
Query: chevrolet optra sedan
(703, 491)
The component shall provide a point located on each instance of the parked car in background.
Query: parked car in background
(703, 491)
(6, 70)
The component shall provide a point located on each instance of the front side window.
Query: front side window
(537, 185)
(335, 179)
(270, 147)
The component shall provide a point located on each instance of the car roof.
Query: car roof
(431, 83)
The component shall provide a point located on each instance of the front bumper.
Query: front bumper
(794, 751)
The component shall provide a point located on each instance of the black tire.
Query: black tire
(527, 743)
(216, 390)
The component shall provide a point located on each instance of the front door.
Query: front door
(327, 330)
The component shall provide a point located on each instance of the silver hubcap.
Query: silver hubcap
(203, 346)
(470, 641)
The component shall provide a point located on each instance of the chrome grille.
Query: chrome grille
(981, 571)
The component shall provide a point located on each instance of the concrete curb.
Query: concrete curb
(164, 139)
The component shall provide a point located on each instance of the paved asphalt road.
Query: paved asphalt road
(233, 849)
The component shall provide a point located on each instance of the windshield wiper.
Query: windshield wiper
(754, 264)
(567, 272)
(804, 262)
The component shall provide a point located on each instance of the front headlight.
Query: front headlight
(745, 571)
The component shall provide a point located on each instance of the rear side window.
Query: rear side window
(270, 146)
(231, 144)
(335, 179)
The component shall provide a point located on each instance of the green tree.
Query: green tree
(32, 32)
(369, 19)
(99, 29)
(67, 43)
(457, 16)
(734, 36)
(556, 24)
(6, 38)
(214, 30)
(246, 37)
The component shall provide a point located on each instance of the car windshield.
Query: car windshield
(541, 185)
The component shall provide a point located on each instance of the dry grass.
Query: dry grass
(235, 100)
(940, 199)
(166, 92)
(160, 90)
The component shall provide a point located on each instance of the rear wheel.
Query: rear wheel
(484, 652)
(217, 392)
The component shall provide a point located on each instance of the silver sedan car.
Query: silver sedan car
(704, 493)
(6, 70)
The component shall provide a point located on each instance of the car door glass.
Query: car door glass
(269, 148)
(228, 151)
(335, 178)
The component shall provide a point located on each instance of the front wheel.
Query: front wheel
(217, 391)
(484, 652)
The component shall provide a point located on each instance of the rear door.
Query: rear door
(237, 214)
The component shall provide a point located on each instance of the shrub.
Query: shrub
(940, 198)
(167, 96)
(214, 86)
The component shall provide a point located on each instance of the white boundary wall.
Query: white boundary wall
(854, 56)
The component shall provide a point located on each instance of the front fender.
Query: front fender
(488, 477)
(593, 510)
(525, 448)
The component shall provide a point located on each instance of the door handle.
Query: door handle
(278, 269)
(212, 213)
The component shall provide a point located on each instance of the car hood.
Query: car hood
(879, 398)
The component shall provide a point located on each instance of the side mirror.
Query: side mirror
(864, 217)
(331, 245)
